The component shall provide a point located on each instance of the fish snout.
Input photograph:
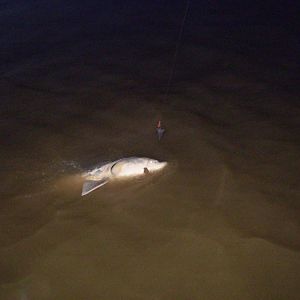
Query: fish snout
(155, 165)
(163, 164)
(160, 165)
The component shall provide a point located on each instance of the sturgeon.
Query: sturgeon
(129, 167)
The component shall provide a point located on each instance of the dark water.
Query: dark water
(83, 83)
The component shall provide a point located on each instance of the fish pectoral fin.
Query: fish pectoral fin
(91, 185)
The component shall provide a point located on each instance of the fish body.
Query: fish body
(123, 168)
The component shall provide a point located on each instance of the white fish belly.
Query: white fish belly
(127, 170)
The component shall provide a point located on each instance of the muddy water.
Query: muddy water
(221, 222)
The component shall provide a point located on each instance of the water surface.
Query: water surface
(83, 85)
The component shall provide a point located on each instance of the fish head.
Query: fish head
(154, 165)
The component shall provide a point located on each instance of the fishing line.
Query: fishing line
(172, 71)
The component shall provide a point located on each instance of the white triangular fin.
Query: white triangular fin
(91, 185)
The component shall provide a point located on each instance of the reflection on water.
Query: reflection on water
(222, 222)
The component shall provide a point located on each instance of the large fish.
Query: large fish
(122, 168)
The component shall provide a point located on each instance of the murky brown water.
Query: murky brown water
(222, 222)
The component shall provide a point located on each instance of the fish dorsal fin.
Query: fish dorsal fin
(91, 185)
